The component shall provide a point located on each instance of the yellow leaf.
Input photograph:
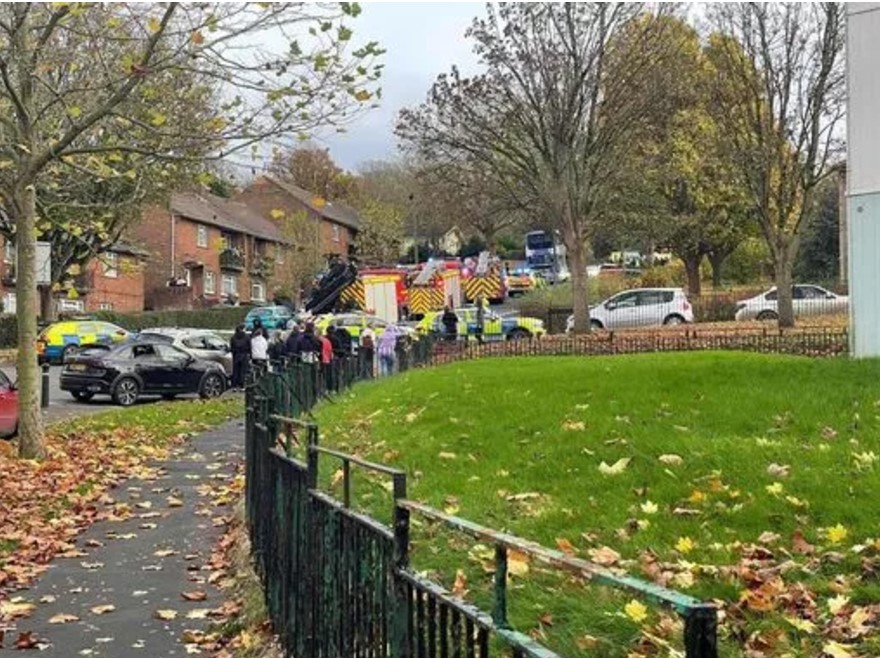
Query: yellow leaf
(574, 425)
(74, 112)
(517, 563)
(459, 587)
(836, 650)
(165, 615)
(636, 610)
(363, 95)
(604, 556)
(774, 489)
(62, 618)
(319, 202)
(337, 477)
(15, 609)
(616, 468)
(565, 546)
(685, 545)
(649, 508)
(697, 496)
(838, 603)
(836, 534)
(103, 609)
(803, 625)
(158, 119)
(276, 213)
(670, 460)
(447, 455)
(153, 24)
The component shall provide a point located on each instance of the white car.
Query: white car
(642, 307)
(806, 300)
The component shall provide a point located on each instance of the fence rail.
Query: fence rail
(339, 583)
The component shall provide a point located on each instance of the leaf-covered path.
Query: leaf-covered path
(143, 582)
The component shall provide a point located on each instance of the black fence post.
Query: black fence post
(44, 398)
(400, 610)
(701, 632)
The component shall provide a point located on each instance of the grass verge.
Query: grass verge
(735, 477)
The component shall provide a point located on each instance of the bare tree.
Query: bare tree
(551, 113)
(78, 85)
(780, 98)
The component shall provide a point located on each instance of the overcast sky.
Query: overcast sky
(422, 40)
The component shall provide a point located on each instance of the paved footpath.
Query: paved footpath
(141, 565)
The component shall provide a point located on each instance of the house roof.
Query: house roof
(225, 214)
(334, 211)
(127, 249)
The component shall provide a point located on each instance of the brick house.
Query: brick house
(112, 281)
(205, 250)
(336, 224)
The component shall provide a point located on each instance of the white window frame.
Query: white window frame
(336, 236)
(71, 305)
(258, 291)
(111, 265)
(105, 306)
(210, 282)
(9, 252)
(229, 289)
(10, 303)
(202, 236)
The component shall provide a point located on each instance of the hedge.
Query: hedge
(223, 318)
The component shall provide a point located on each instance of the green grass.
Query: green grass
(471, 435)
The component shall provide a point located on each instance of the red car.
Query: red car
(8, 407)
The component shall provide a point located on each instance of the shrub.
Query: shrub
(223, 318)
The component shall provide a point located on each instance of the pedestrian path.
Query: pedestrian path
(142, 584)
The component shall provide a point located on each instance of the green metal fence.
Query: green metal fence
(338, 583)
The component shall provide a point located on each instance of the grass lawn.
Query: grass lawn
(749, 479)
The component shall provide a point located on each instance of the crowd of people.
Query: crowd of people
(304, 342)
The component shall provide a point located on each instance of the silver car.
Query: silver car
(201, 343)
(642, 307)
(805, 300)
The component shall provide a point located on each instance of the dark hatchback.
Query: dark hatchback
(126, 372)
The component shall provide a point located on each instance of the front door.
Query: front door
(149, 367)
(622, 311)
(177, 375)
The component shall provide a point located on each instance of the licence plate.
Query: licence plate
(79, 367)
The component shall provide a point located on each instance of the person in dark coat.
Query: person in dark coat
(450, 324)
(292, 344)
(240, 346)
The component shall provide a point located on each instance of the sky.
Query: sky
(422, 40)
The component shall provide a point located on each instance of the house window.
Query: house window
(9, 303)
(111, 265)
(70, 305)
(258, 292)
(336, 233)
(230, 285)
(105, 306)
(210, 284)
(202, 236)
(9, 252)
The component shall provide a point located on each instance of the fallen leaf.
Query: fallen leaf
(604, 555)
(165, 615)
(62, 618)
(198, 613)
(517, 563)
(648, 507)
(194, 596)
(616, 468)
(459, 587)
(685, 545)
(26, 640)
(165, 552)
(800, 545)
(574, 425)
(837, 603)
(447, 455)
(636, 610)
(103, 609)
(174, 502)
(337, 477)
(836, 650)
(16, 609)
(836, 534)
(565, 546)
(778, 470)
(670, 460)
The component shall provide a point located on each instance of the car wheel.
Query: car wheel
(126, 392)
(595, 324)
(519, 334)
(82, 396)
(673, 320)
(212, 386)
(767, 315)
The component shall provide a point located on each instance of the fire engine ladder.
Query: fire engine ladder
(428, 273)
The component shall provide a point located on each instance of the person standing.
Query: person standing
(240, 346)
(481, 318)
(450, 324)
(327, 359)
(387, 349)
(367, 352)
(259, 350)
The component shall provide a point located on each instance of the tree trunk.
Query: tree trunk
(579, 286)
(784, 306)
(692, 269)
(47, 304)
(30, 420)
(716, 260)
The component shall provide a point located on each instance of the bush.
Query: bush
(222, 318)
(670, 275)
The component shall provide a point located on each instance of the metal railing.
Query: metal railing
(339, 583)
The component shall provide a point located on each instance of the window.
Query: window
(9, 252)
(111, 265)
(105, 306)
(171, 353)
(258, 292)
(230, 285)
(194, 342)
(626, 300)
(770, 296)
(9, 302)
(70, 305)
(336, 233)
(210, 283)
(652, 297)
(202, 236)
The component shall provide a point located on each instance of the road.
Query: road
(62, 405)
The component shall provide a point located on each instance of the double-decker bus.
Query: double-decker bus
(545, 254)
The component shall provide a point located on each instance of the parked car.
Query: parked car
(522, 280)
(495, 327)
(61, 339)
(806, 300)
(131, 370)
(8, 407)
(355, 323)
(201, 343)
(642, 307)
(271, 317)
